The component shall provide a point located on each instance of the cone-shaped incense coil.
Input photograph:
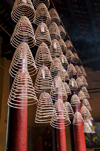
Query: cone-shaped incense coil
(68, 91)
(43, 80)
(22, 8)
(83, 71)
(23, 32)
(84, 81)
(69, 55)
(75, 101)
(78, 70)
(81, 95)
(84, 89)
(43, 56)
(79, 82)
(64, 75)
(22, 92)
(44, 108)
(62, 32)
(87, 104)
(63, 45)
(69, 109)
(37, 2)
(42, 14)
(22, 56)
(71, 70)
(55, 48)
(73, 84)
(69, 44)
(87, 128)
(85, 112)
(74, 58)
(54, 31)
(54, 16)
(60, 117)
(42, 34)
(77, 118)
(63, 61)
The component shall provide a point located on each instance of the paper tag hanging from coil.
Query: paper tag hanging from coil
(72, 83)
(57, 84)
(62, 60)
(22, 56)
(55, 45)
(25, 1)
(43, 74)
(42, 28)
(59, 107)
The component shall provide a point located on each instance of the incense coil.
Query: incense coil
(54, 31)
(42, 34)
(69, 44)
(23, 32)
(62, 31)
(68, 91)
(85, 92)
(84, 81)
(55, 48)
(83, 71)
(75, 58)
(78, 70)
(43, 56)
(79, 82)
(85, 112)
(63, 61)
(69, 109)
(71, 70)
(88, 128)
(81, 95)
(69, 55)
(75, 101)
(22, 8)
(87, 104)
(62, 45)
(43, 80)
(60, 117)
(22, 89)
(64, 75)
(42, 14)
(77, 118)
(73, 84)
(44, 110)
(54, 16)
(22, 57)
(37, 2)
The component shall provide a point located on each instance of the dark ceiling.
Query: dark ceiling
(81, 19)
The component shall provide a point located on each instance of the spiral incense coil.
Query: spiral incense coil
(55, 48)
(63, 45)
(22, 8)
(62, 31)
(69, 109)
(68, 91)
(37, 2)
(87, 128)
(87, 104)
(22, 92)
(22, 57)
(71, 70)
(23, 32)
(54, 16)
(42, 14)
(69, 44)
(54, 31)
(81, 95)
(60, 117)
(44, 110)
(42, 34)
(73, 84)
(85, 112)
(63, 61)
(84, 81)
(43, 80)
(78, 70)
(79, 82)
(75, 101)
(75, 58)
(69, 55)
(84, 89)
(83, 71)
(43, 56)
(78, 120)
(64, 75)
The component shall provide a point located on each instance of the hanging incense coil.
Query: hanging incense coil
(44, 110)
(75, 101)
(43, 56)
(42, 14)
(22, 8)
(63, 45)
(54, 16)
(60, 117)
(71, 70)
(84, 81)
(84, 89)
(81, 95)
(69, 44)
(85, 112)
(73, 84)
(63, 61)
(79, 82)
(22, 92)
(23, 32)
(64, 75)
(37, 2)
(87, 128)
(75, 58)
(87, 104)
(69, 110)
(69, 55)
(42, 34)
(68, 91)
(78, 70)
(77, 118)
(54, 31)
(55, 48)
(62, 31)
(83, 71)
(43, 80)
(22, 57)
